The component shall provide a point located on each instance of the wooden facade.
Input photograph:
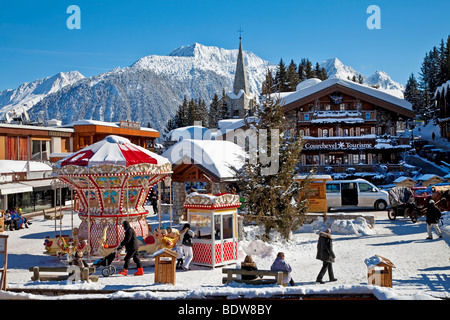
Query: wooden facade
(344, 127)
(442, 100)
(24, 142)
(87, 134)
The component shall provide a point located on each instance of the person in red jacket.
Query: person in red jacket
(131, 245)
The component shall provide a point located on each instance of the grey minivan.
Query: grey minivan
(358, 193)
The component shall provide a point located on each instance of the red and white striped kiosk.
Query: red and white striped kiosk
(112, 179)
(214, 220)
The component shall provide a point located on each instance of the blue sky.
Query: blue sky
(35, 41)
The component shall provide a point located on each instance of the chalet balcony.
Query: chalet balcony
(347, 168)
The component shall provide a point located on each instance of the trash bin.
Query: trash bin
(165, 265)
(379, 271)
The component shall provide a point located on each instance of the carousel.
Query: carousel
(112, 179)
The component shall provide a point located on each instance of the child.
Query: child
(178, 249)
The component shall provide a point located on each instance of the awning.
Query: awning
(14, 187)
(38, 185)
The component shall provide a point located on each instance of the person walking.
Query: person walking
(131, 245)
(187, 244)
(433, 216)
(326, 255)
(280, 265)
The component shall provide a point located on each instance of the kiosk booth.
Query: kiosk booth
(213, 218)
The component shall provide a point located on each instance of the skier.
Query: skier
(131, 245)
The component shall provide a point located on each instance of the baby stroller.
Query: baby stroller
(108, 269)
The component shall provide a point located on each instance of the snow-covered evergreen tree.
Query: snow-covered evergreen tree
(413, 94)
(272, 196)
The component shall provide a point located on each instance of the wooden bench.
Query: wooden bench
(69, 271)
(277, 276)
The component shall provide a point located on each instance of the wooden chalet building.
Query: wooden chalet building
(347, 126)
(442, 100)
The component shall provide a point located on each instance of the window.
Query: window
(362, 158)
(306, 117)
(316, 159)
(40, 150)
(355, 159)
(325, 133)
(333, 187)
(345, 132)
(367, 115)
(201, 225)
(364, 187)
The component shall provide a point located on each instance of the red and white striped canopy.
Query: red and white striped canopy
(113, 150)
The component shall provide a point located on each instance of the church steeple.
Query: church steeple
(240, 77)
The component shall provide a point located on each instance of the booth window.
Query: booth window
(201, 225)
(227, 226)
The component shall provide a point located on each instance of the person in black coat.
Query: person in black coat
(433, 216)
(326, 255)
(131, 245)
(153, 198)
(187, 244)
(249, 265)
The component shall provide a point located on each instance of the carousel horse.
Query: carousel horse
(103, 249)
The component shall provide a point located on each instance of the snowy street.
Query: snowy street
(422, 266)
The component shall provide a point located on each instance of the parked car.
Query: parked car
(358, 193)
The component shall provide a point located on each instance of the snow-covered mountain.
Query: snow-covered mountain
(28, 94)
(150, 90)
(380, 79)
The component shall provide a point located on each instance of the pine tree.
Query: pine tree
(323, 74)
(292, 77)
(215, 110)
(413, 94)
(310, 73)
(302, 70)
(360, 78)
(281, 77)
(271, 194)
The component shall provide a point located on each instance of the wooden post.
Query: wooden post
(36, 274)
(280, 278)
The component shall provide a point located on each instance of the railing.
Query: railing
(342, 168)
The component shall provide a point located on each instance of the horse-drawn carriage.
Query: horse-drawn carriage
(413, 202)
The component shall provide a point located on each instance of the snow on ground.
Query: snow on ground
(422, 266)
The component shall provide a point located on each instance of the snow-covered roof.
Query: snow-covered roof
(309, 90)
(443, 89)
(13, 166)
(233, 125)
(216, 156)
(428, 176)
(90, 122)
(402, 178)
(114, 150)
